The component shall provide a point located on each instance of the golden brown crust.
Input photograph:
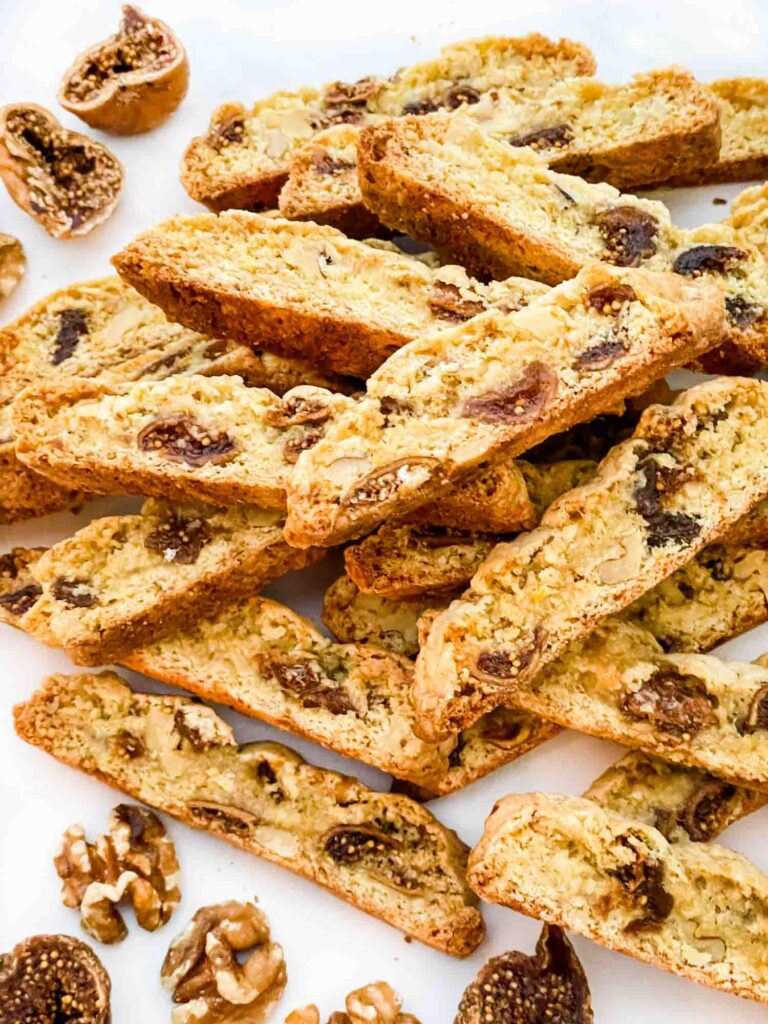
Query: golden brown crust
(13, 263)
(151, 85)
(195, 772)
(25, 494)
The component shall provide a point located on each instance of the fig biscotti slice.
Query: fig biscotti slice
(303, 290)
(500, 210)
(627, 135)
(743, 155)
(201, 438)
(244, 158)
(693, 909)
(270, 663)
(690, 471)
(123, 581)
(381, 852)
(685, 804)
(448, 403)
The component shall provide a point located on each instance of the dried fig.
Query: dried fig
(557, 136)
(13, 263)
(67, 182)
(52, 979)
(550, 986)
(130, 82)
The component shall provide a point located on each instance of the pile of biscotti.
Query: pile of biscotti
(482, 422)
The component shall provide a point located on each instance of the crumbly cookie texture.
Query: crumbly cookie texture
(244, 158)
(685, 804)
(499, 210)
(690, 471)
(381, 852)
(200, 438)
(124, 581)
(492, 388)
(688, 908)
(743, 155)
(661, 123)
(270, 663)
(303, 290)
(721, 593)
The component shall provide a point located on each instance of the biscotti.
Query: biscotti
(381, 852)
(660, 124)
(499, 210)
(721, 593)
(270, 663)
(187, 438)
(105, 329)
(403, 561)
(244, 158)
(749, 217)
(690, 908)
(492, 388)
(123, 581)
(301, 289)
(690, 471)
(743, 123)
(684, 804)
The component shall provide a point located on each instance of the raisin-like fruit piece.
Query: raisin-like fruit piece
(629, 234)
(447, 303)
(73, 324)
(707, 258)
(74, 593)
(557, 136)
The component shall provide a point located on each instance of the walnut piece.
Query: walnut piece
(130, 82)
(377, 1003)
(550, 986)
(51, 979)
(207, 976)
(67, 182)
(13, 263)
(134, 862)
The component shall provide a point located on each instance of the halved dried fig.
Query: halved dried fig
(447, 303)
(52, 979)
(13, 263)
(519, 402)
(676, 704)
(178, 539)
(181, 439)
(629, 234)
(550, 986)
(67, 182)
(130, 82)
(378, 852)
(757, 716)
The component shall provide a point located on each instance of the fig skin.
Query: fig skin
(132, 101)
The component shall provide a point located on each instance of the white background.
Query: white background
(243, 51)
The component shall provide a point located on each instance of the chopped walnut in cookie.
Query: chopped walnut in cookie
(53, 979)
(67, 182)
(130, 82)
(377, 1003)
(134, 862)
(208, 976)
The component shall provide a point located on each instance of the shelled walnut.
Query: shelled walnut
(135, 862)
(50, 979)
(130, 82)
(67, 182)
(377, 1003)
(13, 263)
(206, 974)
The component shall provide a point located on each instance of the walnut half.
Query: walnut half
(13, 263)
(377, 1003)
(67, 182)
(130, 82)
(135, 861)
(207, 976)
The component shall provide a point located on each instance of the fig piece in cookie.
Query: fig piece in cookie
(132, 81)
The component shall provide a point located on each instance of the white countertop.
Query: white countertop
(243, 51)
